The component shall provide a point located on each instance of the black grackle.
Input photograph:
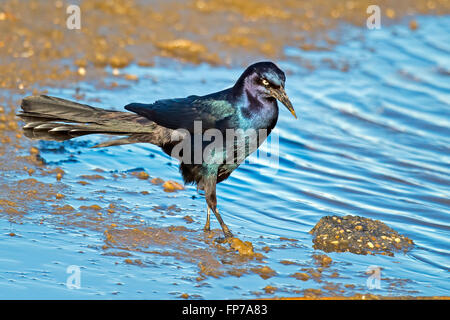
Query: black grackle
(250, 107)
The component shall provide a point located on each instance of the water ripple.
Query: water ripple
(372, 141)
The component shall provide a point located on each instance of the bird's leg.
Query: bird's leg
(208, 213)
(225, 229)
(211, 200)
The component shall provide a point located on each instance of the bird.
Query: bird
(249, 106)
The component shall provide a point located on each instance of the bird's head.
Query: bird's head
(265, 79)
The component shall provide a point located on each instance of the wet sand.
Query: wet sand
(38, 51)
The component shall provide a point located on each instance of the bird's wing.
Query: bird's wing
(182, 112)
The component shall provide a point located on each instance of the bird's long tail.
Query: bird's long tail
(51, 118)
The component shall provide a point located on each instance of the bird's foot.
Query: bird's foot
(226, 238)
(221, 239)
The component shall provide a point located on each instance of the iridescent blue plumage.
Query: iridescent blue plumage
(250, 104)
(248, 108)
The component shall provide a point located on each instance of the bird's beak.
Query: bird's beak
(281, 95)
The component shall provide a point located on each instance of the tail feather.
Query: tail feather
(62, 109)
(51, 118)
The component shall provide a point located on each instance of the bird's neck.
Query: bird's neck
(257, 112)
(256, 109)
(258, 103)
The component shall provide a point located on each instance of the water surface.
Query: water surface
(372, 139)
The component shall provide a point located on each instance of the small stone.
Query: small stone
(118, 62)
(131, 77)
(81, 71)
(390, 13)
(322, 259)
(171, 186)
(157, 181)
(413, 25)
(301, 276)
(141, 175)
(264, 272)
(269, 289)
(244, 248)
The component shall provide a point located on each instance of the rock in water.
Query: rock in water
(357, 235)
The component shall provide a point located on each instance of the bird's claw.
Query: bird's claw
(220, 240)
(225, 238)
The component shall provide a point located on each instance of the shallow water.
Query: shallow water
(371, 140)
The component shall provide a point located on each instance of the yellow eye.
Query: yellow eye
(265, 82)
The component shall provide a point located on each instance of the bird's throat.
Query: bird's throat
(260, 105)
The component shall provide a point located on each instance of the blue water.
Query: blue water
(373, 141)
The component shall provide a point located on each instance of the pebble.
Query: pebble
(81, 71)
